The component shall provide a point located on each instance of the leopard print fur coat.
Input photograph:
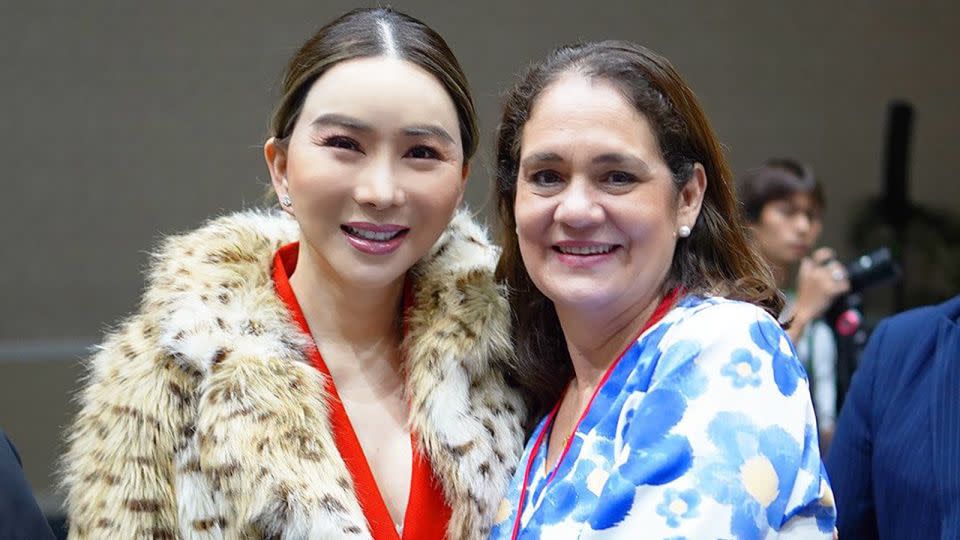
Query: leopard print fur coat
(201, 417)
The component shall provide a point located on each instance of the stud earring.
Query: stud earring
(286, 200)
(684, 231)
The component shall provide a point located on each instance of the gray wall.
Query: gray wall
(127, 120)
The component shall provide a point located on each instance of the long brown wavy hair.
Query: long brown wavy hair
(716, 259)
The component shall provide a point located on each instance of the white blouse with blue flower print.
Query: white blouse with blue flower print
(703, 429)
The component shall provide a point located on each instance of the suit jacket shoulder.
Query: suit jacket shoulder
(20, 517)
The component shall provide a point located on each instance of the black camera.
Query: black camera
(874, 268)
(865, 272)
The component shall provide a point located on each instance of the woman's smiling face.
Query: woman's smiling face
(596, 207)
(374, 168)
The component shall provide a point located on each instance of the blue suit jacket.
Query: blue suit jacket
(895, 460)
(20, 518)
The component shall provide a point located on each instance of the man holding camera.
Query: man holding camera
(783, 203)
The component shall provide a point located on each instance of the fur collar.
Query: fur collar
(253, 451)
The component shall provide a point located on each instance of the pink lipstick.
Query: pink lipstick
(374, 238)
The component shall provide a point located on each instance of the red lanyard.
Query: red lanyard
(658, 313)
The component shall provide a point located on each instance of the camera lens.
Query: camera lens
(872, 269)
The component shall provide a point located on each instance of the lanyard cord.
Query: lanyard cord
(665, 305)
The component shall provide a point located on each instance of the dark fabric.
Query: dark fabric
(895, 460)
(20, 517)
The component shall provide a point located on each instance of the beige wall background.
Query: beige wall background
(124, 121)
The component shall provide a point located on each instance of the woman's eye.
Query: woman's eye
(546, 178)
(422, 152)
(620, 178)
(345, 143)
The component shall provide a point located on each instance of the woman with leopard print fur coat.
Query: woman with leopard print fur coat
(337, 369)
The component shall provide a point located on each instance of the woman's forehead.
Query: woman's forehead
(381, 90)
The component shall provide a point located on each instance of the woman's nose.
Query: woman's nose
(578, 206)
(377, 186)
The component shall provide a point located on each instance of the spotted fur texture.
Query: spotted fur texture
(201, 417)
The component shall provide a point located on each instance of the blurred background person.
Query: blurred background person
(895, 462)
(783, 203)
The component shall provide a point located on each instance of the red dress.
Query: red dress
(427, 512)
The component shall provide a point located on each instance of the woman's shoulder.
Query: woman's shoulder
(715, 317)
(222, 239)
(205, 289)
(216, 258)
(715, 337)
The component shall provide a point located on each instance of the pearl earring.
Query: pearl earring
(684, 231)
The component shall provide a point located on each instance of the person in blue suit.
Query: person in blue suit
(20, 517)
(895, 461)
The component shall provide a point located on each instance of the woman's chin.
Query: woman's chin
(374, 278)
(369, 274)
(580, 297)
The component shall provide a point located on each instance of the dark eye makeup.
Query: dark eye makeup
(341, 142)
(421, 151)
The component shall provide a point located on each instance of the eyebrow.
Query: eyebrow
(541, 158)
(612, 158)
(428, 130)
(349, 122)
(615, 158)
(341, 120)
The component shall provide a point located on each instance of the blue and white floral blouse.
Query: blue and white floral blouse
(703, 429)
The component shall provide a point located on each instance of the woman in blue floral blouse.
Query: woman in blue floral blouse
(674, 405)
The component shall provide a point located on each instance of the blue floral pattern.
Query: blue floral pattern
(677, 506)
(704, 428)
(743, 369)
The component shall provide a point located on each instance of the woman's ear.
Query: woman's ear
(275, 154)
(691, 197)
(464, 174)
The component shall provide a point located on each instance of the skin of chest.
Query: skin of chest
(378, 414)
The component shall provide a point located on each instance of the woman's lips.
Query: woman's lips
(373, 238)
(578, 254)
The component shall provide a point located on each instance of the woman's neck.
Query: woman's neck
(363, 321)
(595, 338)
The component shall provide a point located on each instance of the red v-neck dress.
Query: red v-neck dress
(427, 512)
